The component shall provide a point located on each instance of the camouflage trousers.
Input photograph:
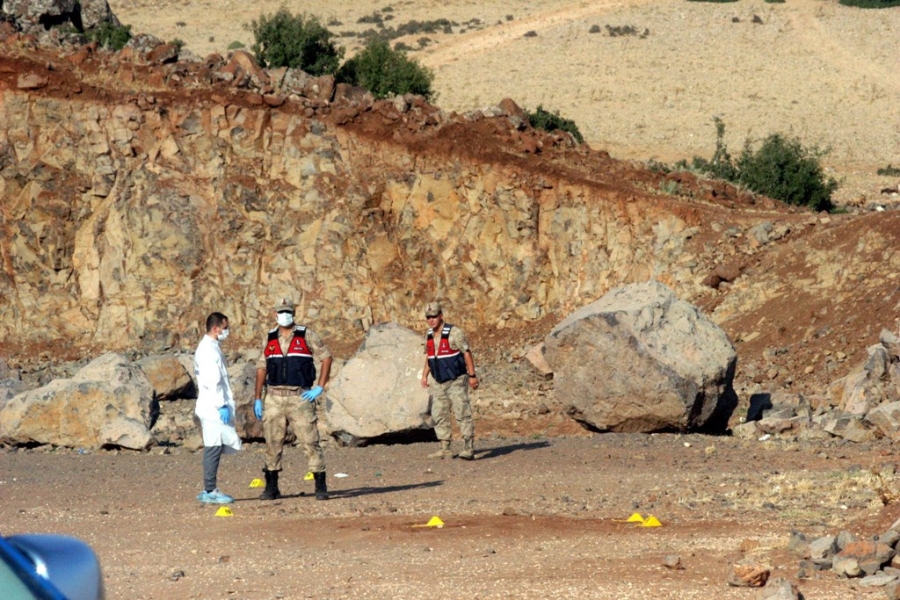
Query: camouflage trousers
(455, 394)
(301, 414)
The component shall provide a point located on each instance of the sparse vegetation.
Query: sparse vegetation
(719, 1)
(530, 33)
(178, 43)
(297, 41)
(386, 72)
(781, 168)
(889, 171)
(667, 186)
(871, 3)
(774, 1)
(236, 45)
(623, 30)
(109, 36)
(594, 29)
(551, 121)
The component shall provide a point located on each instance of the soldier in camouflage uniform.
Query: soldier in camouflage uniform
(287, 369)
(449, 373)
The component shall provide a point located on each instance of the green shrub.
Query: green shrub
(889, 171)
(871, 3)
(109, 36)
(784, 169)
(551, 121)
(774, 1)
(720, 1)
(236, 45)
(386, 72)
(296, 41)
(178, 43)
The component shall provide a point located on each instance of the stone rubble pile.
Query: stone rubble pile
(861, 407)
(874, 562)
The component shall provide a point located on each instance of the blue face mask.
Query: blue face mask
(285, 319)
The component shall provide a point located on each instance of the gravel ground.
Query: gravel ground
(532, 518)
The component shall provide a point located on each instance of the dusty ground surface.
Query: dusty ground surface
(532, 518)
(807, 68)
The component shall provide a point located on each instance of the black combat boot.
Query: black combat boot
(271, 492)
(321, 486)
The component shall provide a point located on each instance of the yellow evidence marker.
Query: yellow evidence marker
(434, 521)
(309, 476)
(651, 521)
(224, 511)
(635, 518)
(257, 483)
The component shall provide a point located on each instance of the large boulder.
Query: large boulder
(641, 360)
(30, 14)
(167, 376)
(107, 403)
(378, 392)
(95, 13)
(242, 377)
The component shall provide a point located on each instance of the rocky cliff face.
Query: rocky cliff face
(136, 198)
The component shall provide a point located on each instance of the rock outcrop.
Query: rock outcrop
(378, 393)
(139, 212)
(641, 360)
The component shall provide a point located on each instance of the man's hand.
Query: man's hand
(225, 414)
(425, 381)
(311, 395)
(258, 409)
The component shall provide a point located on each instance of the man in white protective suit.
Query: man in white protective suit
(215, 406)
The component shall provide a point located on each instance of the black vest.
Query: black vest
(294, 369)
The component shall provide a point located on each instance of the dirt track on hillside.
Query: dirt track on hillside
(532, 518)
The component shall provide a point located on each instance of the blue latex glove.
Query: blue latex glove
(312, 394)
(257, 409)
(225, 414)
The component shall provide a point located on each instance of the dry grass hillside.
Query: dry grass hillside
(810, 68)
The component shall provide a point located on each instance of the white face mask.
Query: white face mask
(285, 319)
(223, 335)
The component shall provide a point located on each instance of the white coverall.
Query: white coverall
(213, 392)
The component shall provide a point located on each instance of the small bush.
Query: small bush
(109, 36)
(386, 72)
(720, 1)
(296, 41)
(784, 169)
(551, 121)
(871, 3)
(889, 171)
(530, 33)
(178, 43)
(374, 18)
(236, 45)
(617, 30)
(594, 29)
(774, 1)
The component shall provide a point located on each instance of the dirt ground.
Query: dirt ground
(531, 518)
